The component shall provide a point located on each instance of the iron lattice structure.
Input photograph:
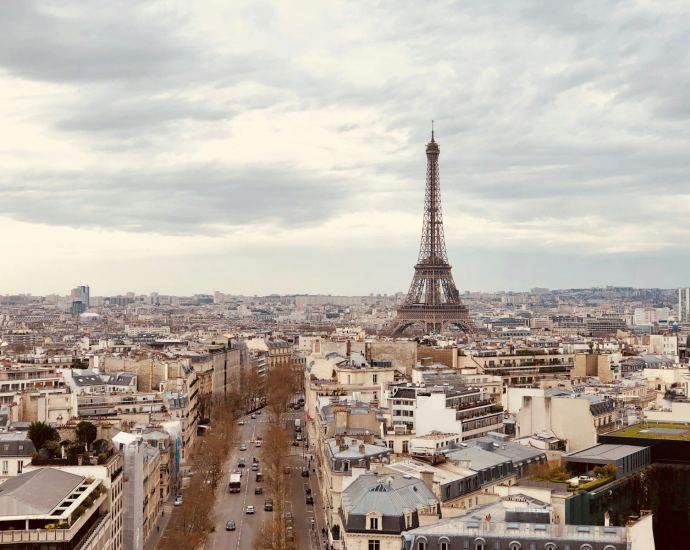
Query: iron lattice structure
(433, 302)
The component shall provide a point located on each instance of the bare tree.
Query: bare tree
(275, 463)
(273, 535)
(280, 387)
(192, 521)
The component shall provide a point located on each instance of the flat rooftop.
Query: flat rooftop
(603, 452)
(655, 430)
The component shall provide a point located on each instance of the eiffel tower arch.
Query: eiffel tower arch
(433, 301)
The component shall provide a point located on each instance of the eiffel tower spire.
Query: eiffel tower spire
(433, 301)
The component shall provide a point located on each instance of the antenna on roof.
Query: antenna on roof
(432, 131)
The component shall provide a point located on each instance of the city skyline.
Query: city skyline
(267, 148)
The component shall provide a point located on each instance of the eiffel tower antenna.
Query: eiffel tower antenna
(433, 301)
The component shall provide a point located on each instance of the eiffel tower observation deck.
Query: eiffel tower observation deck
(433, 302)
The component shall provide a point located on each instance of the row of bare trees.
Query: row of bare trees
(192, 522)
(283, 383)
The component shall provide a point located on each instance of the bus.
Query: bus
(234, 483)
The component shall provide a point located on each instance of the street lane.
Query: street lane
(232, 506)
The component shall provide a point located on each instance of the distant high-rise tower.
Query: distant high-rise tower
(433, 302)
(684, 305)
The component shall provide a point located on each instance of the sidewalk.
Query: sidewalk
(161, 524)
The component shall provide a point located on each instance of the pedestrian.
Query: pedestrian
(158, 528)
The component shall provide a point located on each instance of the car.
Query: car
(178, 501)
(230, 526)
(243, 447)
(310, 500)
(289, 535)
(258, 490)
(241, 463)
(250, 509)
(241, 422)
(288, 519)
(295, 443)
(298, 429)
(258, 443)
(255, 467)
(253, 417)
(259, 477)
(258, 412)
(268, 505)
(239, 472)
(286, 470)
(305, 472)
(299, 437)
(191, 473)
(300, 400)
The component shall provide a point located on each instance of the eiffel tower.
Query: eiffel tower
(433, 302)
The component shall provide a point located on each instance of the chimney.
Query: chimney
(428, 479)
(362, 449)
(339, 439)
(343, 448)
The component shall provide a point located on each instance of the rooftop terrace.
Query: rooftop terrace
(656, 430)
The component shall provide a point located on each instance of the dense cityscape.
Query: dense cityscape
(214, 334)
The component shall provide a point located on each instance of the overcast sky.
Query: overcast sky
(259, 147)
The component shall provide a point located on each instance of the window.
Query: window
(20, 466)
(532, 546)
(405, 446)
(497, 546)
(374, 545)
(444, 546)
(375, 378)
(5, 467)
(421, 546)
(465, 543)
(374, 523)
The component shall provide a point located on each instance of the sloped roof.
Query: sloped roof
(389, 495)
(37, 492)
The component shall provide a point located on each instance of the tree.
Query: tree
(280, 387)
(86, 433)
(275, 460)
(41, 433)
(272, 535)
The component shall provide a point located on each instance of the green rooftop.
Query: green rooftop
(656, 430)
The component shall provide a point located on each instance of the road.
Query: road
(232, 506)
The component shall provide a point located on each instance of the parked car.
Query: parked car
(305, 472)
(230, 526)
(299, 437)
(288, 519)
(241, 422)
(298, 429)
(258, 490)
(178, 501)
(310, 500)
(191, 473)
(289, 535)
(268, 505)
(295, 443)
(250, 509)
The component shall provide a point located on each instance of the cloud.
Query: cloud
(562, 126)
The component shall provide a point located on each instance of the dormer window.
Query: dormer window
(374, 524)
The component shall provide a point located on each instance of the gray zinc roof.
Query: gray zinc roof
(389, 495)
(36, 493)
(479, 458)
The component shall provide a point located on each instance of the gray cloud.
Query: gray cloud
(544, 110)
(203, 199)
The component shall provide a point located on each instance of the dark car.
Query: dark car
(259, 476)
(241, 463)
(230, 526)
(305, 473)
(310, 500)
(295, 443)
(258, 490)
(268, 505)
